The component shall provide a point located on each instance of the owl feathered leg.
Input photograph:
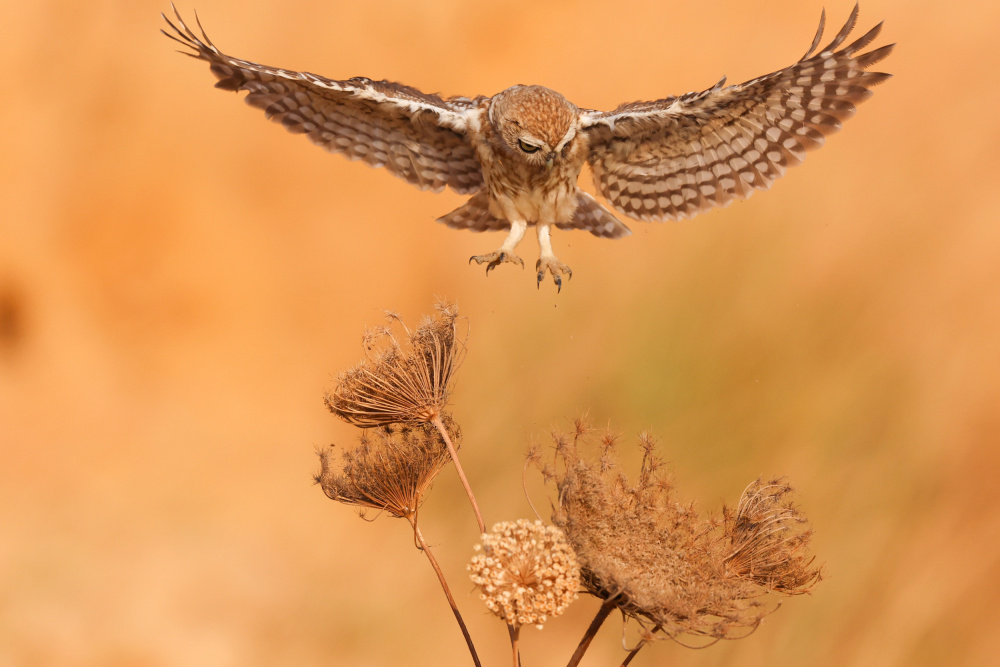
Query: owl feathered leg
(547, 260)
(506, 251)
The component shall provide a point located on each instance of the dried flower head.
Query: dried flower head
(767, 538)
(391, 469)
(526, 572)
(661, 562)
(395, 385)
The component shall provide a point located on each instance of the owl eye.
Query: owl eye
(527, 148)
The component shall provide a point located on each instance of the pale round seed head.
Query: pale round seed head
(526, 572)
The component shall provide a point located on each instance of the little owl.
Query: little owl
(519, 153)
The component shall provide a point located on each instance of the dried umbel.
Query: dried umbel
(391, 469)
(526, 572)
(663, 564)
(394, 384)
(768, 539)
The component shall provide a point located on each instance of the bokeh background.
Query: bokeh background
(180, 281)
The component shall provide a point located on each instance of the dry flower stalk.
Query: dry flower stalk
(677, 573)
(393, 385)
(423, 546)
(392, 470)
(526, 573)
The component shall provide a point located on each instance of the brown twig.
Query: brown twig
(444, 585)
(642, 642)
(461, 474)
(588, 636)
(631, 655)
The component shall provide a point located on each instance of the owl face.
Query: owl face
(535, 125)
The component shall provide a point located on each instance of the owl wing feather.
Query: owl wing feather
(420, 138)
(673, 158)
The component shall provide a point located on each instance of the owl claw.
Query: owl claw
(497, 258)
(556, 268)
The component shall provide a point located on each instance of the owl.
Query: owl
(519, 153)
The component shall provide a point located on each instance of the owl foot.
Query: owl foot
(555, 267)
(497, 258)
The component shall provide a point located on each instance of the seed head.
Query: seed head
(391, 470)
(393, 384)
(663, 563)
(525, 571)
(768, 539)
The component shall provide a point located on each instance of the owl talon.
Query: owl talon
(497, 258)
(556, 268)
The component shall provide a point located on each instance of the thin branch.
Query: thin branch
(461, 474)
(444, 585)
(631, 654)
(641, 643)
(588, 636)
(524, 487)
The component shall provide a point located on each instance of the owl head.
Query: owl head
(535, 125)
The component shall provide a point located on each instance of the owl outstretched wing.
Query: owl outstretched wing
(420, 138)
(673, 158)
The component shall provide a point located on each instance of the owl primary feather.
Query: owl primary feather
(519, 153)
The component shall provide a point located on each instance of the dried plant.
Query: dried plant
(391, 470)
(396, 385)
(525, 571)
(629, 542)
(768, 539)
(678, 573)
(393, 384)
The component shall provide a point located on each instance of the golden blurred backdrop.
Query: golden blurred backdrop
(180, 280)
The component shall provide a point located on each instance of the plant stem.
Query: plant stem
(514, 633)
(643, 642)
(588, 636)
(631, 654)
(461, 474)
(447, 592)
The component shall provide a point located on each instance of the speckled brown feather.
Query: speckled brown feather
(417, 137)
(676, 157)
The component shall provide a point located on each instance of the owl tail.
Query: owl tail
(590, 216)
(594, 218)
(474, 215)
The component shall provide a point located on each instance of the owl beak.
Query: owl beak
(549, 159)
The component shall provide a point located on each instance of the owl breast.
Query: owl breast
(519, 194)
(530, 192)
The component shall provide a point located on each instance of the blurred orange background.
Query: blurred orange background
(180, 280)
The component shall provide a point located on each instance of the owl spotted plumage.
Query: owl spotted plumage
(520, 153)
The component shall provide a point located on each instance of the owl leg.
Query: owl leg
(506, 251)
(547, 260)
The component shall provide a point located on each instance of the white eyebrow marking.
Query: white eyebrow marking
(570, 133)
